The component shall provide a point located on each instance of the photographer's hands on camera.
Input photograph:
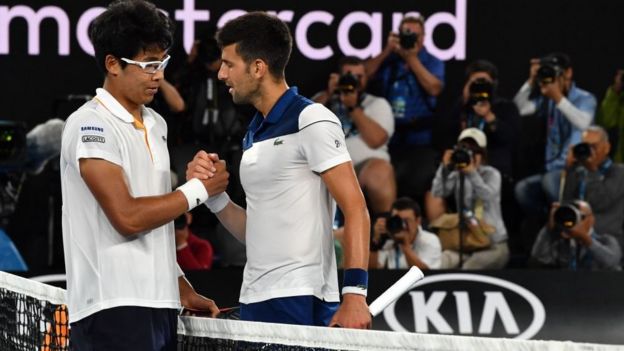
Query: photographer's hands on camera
(394, 45)
(381, 234)
(552, 90)
(447, 162)
(580, 232)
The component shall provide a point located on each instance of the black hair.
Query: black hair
(407, 203)
(483, 66)
(349, 61)
(259, 36)
(128, 27)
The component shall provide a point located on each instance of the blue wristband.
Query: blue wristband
(355, 277)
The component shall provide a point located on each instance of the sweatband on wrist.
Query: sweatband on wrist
(355, 281)
(195, 193)
(218, 202)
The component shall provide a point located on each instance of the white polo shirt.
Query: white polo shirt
(289, 239)
(104, 268)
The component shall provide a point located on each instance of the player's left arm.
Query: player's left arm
(342, 183)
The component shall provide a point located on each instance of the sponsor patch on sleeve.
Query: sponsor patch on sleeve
(93, 139)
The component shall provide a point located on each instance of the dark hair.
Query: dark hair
(349, 61)
(407, 203)
(127, 27)
(482, 66)
(259, 36)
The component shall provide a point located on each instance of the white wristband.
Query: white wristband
(218, 202)
(354, 290)
(195, 193)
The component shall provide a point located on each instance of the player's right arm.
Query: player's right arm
(232, 216)
(130, 215)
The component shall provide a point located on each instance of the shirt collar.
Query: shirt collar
(277, 111)
(117, 110)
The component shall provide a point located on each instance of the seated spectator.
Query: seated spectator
(611, 114)
(368, 125)
(568, 110)
(575, 245)
(411, 79)
(592, 176)
(193, 252)
(399, 241)
(482, 192)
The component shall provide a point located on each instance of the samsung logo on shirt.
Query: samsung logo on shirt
(95, 129)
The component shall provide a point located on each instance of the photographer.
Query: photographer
(368, 125)
(482, 193)
(568, 110)
(570, 241)
(400, 242)
(592, 176)
(480, 107)
(410, 78)
(611, 113)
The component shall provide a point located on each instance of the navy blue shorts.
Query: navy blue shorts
(302, 310)
(126, 328)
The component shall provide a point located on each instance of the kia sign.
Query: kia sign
(520, 304)
(467, 288)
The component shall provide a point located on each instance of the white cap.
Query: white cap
(474, 134)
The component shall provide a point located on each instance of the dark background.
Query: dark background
(508, 33)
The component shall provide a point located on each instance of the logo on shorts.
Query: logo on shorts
(93, 139)
(278, 141)
(338, 143)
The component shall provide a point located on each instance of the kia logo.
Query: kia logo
(494, 293)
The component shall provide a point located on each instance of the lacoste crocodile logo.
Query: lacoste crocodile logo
(278, 141)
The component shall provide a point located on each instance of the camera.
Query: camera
(567, 216)
(550, 68)
(582, 152)
(395, 224)
(480, 90)
(461, 157)
(348, 83)
(408, 39)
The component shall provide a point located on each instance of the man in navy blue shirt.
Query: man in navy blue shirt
(410, 78)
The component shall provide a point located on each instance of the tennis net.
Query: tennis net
(33, 317)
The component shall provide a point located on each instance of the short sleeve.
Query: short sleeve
(86, 135)
(380, 111)
(321, 138)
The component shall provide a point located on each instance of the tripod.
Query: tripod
(462, 219)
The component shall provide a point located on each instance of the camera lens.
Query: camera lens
(461, 157)
(408, 39)
(348, 83)
(480, 90)
(581, 152)
(395, 224)
(566, 216)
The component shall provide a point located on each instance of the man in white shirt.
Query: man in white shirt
(124, 286)
(368, 124)
(399, 241)
(295, 163)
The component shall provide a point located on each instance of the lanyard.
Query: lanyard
(603, 169)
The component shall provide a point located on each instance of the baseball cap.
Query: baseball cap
(475, 134)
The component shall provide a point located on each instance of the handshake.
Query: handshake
(213, 179)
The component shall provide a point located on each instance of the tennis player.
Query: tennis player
(295, 163)
(124, 286)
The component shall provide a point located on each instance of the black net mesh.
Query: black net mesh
(27, 323)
